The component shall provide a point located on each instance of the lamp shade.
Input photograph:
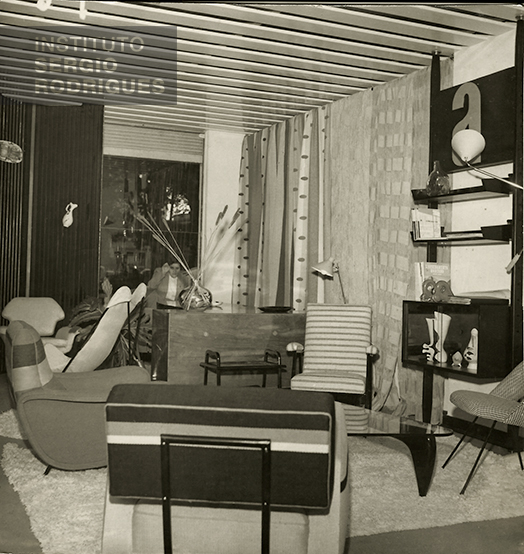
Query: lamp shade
(325, 268)
(468, 144)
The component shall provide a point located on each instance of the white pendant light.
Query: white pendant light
(468, 144)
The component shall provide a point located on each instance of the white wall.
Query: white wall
(222, 154)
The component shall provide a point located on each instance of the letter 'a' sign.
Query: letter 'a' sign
(486, 105)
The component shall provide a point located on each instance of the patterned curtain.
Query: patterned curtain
(281, 179)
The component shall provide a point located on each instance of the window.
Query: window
(162, 189)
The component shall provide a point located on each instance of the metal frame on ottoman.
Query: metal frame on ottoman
(217, 491)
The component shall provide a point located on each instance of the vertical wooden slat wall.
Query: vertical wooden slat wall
(68, 165)
(14, 183)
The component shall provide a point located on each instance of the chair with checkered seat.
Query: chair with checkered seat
(504, 404)
(216, 488)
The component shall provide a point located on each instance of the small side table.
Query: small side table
(272, 363)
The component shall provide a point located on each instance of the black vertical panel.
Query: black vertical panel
(68, 164)
(15, 125)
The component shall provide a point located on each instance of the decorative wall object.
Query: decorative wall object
(10, 152)
(67, 220)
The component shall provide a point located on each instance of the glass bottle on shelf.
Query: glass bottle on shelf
(438, 181)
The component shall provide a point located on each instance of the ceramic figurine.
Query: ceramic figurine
(456, 359)
(442, 322)
(427, 348)
(471, 352)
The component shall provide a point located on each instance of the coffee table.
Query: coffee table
(419, 437)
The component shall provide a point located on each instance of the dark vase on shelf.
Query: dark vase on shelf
(438, 181)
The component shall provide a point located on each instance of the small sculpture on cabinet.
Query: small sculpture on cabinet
(471, 352)
(442, 322)
(427, 348)
(456, 360)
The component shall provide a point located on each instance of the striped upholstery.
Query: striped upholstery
(300, 426)
(503, 404)
(336, 342)
(28, 367)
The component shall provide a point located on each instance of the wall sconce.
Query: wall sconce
(468, 144)
(328, 268)
(10, 152)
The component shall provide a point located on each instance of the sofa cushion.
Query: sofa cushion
(299, 424)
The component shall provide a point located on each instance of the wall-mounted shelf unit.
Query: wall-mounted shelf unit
(490, 188)
(492, 234)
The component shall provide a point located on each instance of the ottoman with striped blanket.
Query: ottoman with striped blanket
(216, 490)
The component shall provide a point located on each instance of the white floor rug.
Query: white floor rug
(9, 426)
(384, 493)
(66, 508)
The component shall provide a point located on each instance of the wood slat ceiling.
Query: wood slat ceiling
(238, 66)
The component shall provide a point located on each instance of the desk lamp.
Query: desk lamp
(328, 268)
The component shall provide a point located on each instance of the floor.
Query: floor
(491, 537)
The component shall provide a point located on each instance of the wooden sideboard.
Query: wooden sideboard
(181, 338)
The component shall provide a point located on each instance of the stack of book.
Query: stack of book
(425, 223)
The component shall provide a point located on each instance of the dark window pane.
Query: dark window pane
(156, 189)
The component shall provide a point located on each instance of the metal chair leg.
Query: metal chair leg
(520, 460)
(459, 443)
(473, 469)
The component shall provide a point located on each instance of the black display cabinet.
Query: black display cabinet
(488, 319)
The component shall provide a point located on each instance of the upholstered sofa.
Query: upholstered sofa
(216, 490)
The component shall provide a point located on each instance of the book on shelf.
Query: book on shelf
(425, 223)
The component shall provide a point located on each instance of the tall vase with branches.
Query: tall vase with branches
(196, 295)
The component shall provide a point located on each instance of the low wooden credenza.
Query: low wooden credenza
(181, 338)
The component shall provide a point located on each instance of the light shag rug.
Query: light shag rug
(66, 508)
(384, 493)
(9, 426)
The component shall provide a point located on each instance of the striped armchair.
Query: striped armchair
(338, 354)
